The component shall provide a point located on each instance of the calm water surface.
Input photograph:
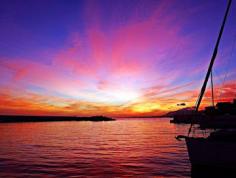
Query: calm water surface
(122, 148)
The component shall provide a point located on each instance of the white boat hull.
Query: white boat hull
(203, 152)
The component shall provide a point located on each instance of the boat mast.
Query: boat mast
(212, 90)
(211, 62)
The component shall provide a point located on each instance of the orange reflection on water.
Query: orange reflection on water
(138, 147)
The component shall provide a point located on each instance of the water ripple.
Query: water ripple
(124, 148)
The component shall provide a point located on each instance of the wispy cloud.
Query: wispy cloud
(139, 62)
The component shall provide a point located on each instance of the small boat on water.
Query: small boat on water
(218, 149)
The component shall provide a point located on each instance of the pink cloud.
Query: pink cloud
(147, 57)
(45, 76)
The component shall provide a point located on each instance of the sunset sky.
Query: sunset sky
(112, 57)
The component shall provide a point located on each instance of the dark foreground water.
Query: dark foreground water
(122, 148)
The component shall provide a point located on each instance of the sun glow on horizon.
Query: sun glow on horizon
(146, 107)
(123, 58)
(122, 96)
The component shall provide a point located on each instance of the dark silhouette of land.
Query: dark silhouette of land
(20, 118)
(223, 115)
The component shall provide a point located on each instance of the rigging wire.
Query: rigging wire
(227, 69)
(212, 89)
(211, 63)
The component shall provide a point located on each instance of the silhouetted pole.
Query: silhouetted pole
(212, 90)
(211, 63)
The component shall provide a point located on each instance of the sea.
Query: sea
(131, 147)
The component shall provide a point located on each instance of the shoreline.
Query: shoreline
(21, 118)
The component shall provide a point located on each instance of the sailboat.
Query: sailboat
(219, 148)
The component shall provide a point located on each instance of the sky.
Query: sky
(115, 58)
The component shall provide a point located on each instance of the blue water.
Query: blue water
(123, 148)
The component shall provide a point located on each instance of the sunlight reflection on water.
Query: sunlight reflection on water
(126, 147)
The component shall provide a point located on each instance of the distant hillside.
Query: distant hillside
(183, 111)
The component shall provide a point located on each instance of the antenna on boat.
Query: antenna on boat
(209, 71)
(212, 90)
